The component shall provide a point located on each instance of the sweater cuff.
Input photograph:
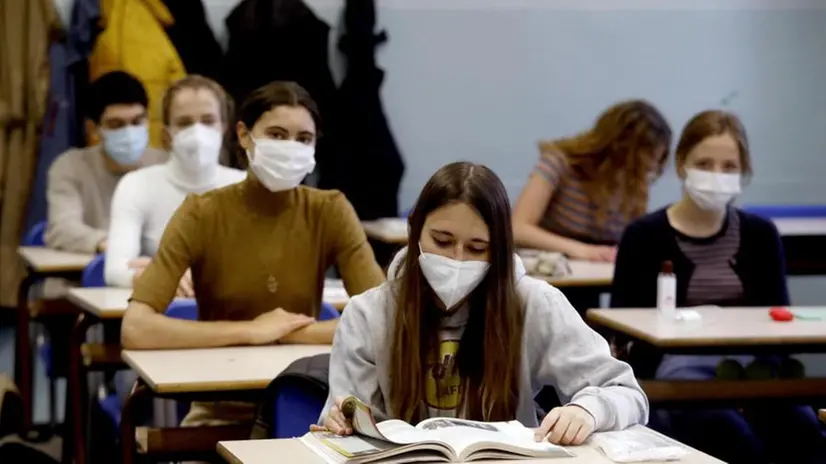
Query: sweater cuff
(93, 239)
(597, 408)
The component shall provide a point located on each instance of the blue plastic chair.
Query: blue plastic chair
(183, 309)
(328, 312)
(187, 310)
(111, 404)
(92, 276)
(34, 236)
(295, 408)
(787, 211)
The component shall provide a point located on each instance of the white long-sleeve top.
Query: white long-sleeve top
(143, 203)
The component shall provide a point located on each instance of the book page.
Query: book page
(393, 431)
(465, 436)
(403, 433)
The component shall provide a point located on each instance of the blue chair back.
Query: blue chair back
(187, 310)
(294, 409)
(328, 312)
(787, 211)
(183, 309)
(93, 273)
(34, 236)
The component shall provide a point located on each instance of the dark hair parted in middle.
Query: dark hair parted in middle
(275, 94)
(489, 357)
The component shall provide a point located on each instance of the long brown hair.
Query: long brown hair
(489, 356)
(624, 140)
(712, 123)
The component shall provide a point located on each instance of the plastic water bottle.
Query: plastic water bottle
(667, 291)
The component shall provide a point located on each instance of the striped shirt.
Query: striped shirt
(572, 212)
(713, 282)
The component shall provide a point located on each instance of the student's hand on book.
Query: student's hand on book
(185, 287)
(272, 325)
(335, 421)
(566, 425)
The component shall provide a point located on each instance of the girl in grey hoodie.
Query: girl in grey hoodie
(459, 330)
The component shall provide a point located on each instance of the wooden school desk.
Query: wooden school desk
(804, 243)
(40, 263)
(292, 450)
(225, 374)
(585, 274)
(722, 331)
(107, 305)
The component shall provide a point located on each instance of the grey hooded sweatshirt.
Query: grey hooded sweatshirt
(559, 350)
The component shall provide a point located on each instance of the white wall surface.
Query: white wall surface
(484, 80)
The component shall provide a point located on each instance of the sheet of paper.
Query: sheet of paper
(637, 445)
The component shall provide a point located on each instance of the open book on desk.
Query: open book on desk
(432, 440)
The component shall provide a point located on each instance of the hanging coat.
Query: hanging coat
(134, 40)
(367, 165)
(193, 38)
(279, 40)
(26, 28)
(62, 123)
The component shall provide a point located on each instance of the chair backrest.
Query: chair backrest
(328, 312)
(299, 407)
(186, 309)
(34, 236)
(183, 309)
(786, 211)
(297, 396)
(93, 273)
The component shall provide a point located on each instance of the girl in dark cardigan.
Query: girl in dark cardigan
(726, 257)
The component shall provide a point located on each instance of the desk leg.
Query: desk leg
(127, 422)
(76, 395)
(23, 350)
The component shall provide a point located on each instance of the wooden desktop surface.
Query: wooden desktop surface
(717, 327)
(45, 260)
(292, 450)
(216, 369)
(584, 274)
(111, 302)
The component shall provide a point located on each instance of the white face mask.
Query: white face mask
(281, 164)
(197, 148)
(711, 191)
(450, 279)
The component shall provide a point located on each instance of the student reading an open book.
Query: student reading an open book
(460, 331)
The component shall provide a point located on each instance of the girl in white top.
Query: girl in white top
(195, 111)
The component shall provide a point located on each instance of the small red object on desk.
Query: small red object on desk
(781, 314)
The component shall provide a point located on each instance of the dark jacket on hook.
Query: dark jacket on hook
(367, 165)
(280, 40)
(193, 38)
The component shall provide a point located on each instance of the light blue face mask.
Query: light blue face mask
(127, 144)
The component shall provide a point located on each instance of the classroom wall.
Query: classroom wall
(484, 80)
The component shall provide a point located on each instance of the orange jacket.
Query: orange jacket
(133, 40)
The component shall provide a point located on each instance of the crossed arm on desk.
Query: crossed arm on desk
(146, 329)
